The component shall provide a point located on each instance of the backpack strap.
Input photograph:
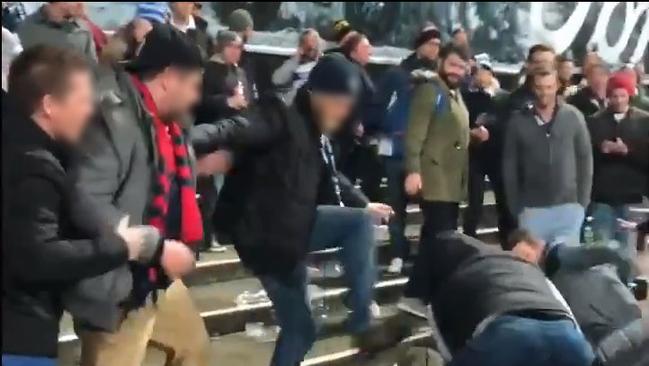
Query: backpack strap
(441, 100)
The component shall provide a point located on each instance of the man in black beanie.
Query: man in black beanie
(286, 197)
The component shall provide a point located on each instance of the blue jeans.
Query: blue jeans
(10, 360)
(605, 225)
(560, 223)
(398, 200)
(351, 229)
(516, 341)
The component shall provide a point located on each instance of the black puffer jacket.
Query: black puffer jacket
(268, 202)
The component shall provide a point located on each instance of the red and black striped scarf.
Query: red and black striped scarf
(172, 164)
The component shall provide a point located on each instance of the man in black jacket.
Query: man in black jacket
(494, 309)
(592, 98)
(52, 235)
(286, 197)
(620, 139)
(592, 281)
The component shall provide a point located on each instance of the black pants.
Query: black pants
(206, 188)
(438, 217)
(363, 162)
(478, 170)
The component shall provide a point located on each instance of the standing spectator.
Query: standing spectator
(182, 18)
(361, 160)
(566, 70)
(437, 161)
(224, 82)
(294, 72)
(592, 98)
(461, 38)
(240, 21)
(395, 94)
(11, 48)
(55, 24)
(271, 205)
(620, 138)
(539, 56)
(484, 160)
(137, 163)
(52, 236)
(154, 12)
(639, 99)
(224, 95)
(548, 164)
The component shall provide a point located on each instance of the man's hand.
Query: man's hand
(134, 237)
(608, 147)
(480, 134)
(217, 162)
(237, 101)
(413, 183)
(621, 147)
(380, 211)
(177, 259)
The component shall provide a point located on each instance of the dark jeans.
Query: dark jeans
(351, 229)
(206, 188)
(438, 217)
(10, 360)
(398, 200)
(478, 170)
(516, 341)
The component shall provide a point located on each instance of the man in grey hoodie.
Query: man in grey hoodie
(548, 164)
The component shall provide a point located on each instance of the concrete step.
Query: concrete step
(227, 266)
(333, 346)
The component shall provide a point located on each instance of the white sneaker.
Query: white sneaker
(217, 248)
(413, 306)
(375, 310)
(396, 266)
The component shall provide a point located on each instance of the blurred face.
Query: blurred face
(311, 47)
(484, 78)
(453, 70)
(331, 111)
(460, 38)
(69, 113)
(182, 92)
(362, 52)
(68, 9)
(597, 78)
(529, 251)
(545, 89)
(618, 100)
(542, 59)
(182, 10)
(430, 49)
(232, 53)
(566, 69)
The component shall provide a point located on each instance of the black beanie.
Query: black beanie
(426, 35)
(334, 74)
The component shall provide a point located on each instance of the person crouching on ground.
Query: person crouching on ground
(286, 197)
(495, 309)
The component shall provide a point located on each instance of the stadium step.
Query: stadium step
(221, 277)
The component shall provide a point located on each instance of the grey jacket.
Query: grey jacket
(547, 167)
(116, 169)
(36, 29)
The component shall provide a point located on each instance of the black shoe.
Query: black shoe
(382, 335)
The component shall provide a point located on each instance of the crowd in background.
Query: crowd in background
(162, 131)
